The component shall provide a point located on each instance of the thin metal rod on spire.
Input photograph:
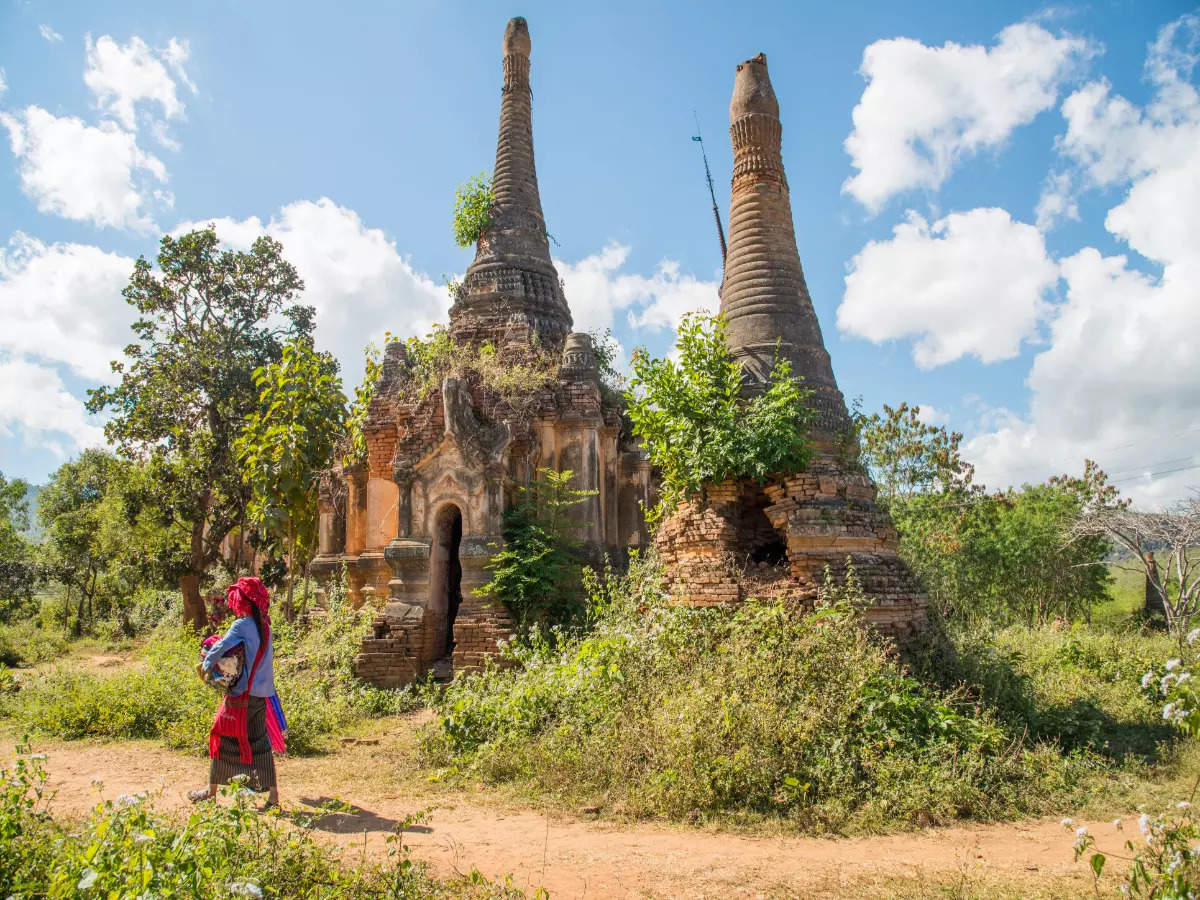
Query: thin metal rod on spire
(712, 193)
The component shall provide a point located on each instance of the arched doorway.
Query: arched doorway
(445, 584)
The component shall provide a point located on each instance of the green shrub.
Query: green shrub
(745, 714)
(163, 698)
(698, 426)
(127, 849)
(26, 643)
(472, 209)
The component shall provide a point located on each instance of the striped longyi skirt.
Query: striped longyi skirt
(228, 762)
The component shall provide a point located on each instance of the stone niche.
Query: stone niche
(775, 541)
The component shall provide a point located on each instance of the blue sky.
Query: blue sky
(997, 204)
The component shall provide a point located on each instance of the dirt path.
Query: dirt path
(574, 857)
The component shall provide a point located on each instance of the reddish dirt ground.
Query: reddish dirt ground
(576, 857)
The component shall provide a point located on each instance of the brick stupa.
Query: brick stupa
(416, 521)
(743, 539)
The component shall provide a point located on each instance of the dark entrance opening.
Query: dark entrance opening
(762, 543)
(445, 581)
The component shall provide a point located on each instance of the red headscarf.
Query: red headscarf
(247, 592)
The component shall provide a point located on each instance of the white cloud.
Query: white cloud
(3, 82)
(931, 415)
(971, 283)
(1056, 202)
(50, 34)
(597, 289)
(359, 283)
(926, 108)
(1120, 379)
(35, 404)
(62, 304)
(75, 170)
(122, 76)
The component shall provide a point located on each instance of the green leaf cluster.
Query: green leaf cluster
(284, 445)
(701, 426)
(537, 572)
(473, 201)
(18, 571)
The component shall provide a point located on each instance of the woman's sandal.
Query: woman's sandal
(199, 795)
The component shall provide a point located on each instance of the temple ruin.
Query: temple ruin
(743, 539)
(415, 522)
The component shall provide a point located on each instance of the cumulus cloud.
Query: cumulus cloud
(1120, 378)
(926, 108)
(1057, 201)
(61, 311)
(123, 75)
(36, 405)
(83, 172)
(50, 34)
(969, 284)
(355, 277)
(597, 290)
(62, 303)
(3, 82)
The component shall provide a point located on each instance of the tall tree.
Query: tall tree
(18, 576)
(208, 319)
(69, 508)
(285, 444)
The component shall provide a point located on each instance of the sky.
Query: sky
(997, 204)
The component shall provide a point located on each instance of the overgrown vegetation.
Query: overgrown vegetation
(536, 574)
(126, 848)
(762, 713)
(1006, 556)
(699, 427)
(162, 697)
(473, 200)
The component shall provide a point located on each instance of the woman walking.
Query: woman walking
(249, 723)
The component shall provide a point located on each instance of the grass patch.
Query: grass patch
(754, 714)
(165, 699)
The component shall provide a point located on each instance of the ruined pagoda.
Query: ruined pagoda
(416, 520)
(742, 539)
(511, 292)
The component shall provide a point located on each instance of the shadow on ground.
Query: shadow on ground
(338, 817)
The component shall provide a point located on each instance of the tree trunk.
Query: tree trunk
(67, 607)
(1155, 607)
(194, 612)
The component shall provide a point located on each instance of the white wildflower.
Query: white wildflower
(1165, 684)
(1144, 823)
(1081, 831)
(245, 889)
(1117, 824)
(127, 800)
(1183, 676)
(38, 757)
(1067, 823)
(1192, 635)
(1147, 679)
(1182, 804)
(1172, 665)
(1168, 711)
(245, 793)
(142, 838)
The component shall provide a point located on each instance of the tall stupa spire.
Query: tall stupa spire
(511, 291)
(763, 296)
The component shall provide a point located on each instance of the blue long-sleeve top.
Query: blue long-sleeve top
(244, 631)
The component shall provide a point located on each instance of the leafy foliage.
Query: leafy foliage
(1009, 555)
(744, 714)
(18, 572)
(207, 321)
(698, 425)
(473, 200)
(537, 572)
(164, 699)
(285, 444)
